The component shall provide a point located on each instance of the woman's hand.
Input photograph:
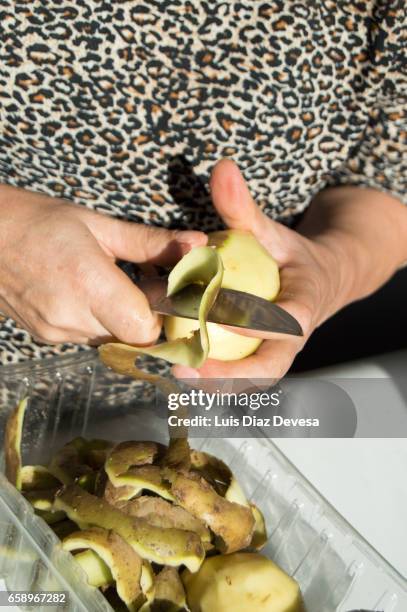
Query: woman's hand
(58, 277)
(351, 241)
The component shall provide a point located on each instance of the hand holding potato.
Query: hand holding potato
(335, 257)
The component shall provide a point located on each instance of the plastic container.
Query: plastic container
(336, 568)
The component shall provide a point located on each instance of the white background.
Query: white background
(366, 481)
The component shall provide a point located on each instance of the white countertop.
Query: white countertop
(365, 479)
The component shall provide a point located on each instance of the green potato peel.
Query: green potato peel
(202, 265)
(169, 591)
(12, 443)
(166, 546)
(37, 478)
(123, 562)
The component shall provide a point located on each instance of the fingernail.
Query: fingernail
(185, 372)
(191, 238)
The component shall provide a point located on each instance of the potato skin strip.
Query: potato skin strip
(172, 546)
(142, 478)
(97, 572)
(169, 591)
(201, 265)
(12, 443)
(161, 513)
(37, 478)
(72, 461)
(133, 453)
(219, 476)
(232, 523)
(124, 563)
(260, 537)
(41, 499)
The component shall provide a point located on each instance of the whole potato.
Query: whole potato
(240, 582)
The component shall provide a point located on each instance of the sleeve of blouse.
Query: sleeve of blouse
(379, 160)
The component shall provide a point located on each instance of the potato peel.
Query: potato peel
(12, 443)
(123, 562)
(173, 547)
(79, 459)
(67, 464)
(260, 537)
(41, 499)
(219, 476)
(169, 592)
(200, 509)
(129, 454)
(201, 265)
(37, 478)
(161, 513)
(232, 523)
(143, 478)
(97, 572)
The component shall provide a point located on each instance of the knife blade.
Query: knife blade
(232, 307)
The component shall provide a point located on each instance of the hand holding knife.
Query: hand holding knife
(232, 307)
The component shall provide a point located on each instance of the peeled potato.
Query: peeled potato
(241, 582)
(247, 267)
(224, 345)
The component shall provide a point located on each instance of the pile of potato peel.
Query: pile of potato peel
(136, 513)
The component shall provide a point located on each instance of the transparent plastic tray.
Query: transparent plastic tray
(335, 567)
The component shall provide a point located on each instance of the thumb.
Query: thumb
(235, 205)
(141, 243)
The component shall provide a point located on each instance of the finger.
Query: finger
(98, 340)
(57, 336)
(61, 336)
(84, 329)
(231, 196)
(271, 361)
(235, 205)
(301, 295)
(121, 308)
(229, 385)
(88, 331)
(140, 243)
(63, 321)
(91, 332)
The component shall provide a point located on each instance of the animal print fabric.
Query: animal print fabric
(124, 106)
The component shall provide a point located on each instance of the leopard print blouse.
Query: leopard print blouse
(124, 107)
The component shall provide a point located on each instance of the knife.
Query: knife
(232, 307)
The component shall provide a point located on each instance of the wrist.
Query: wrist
(345, 262)
(363, 235)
